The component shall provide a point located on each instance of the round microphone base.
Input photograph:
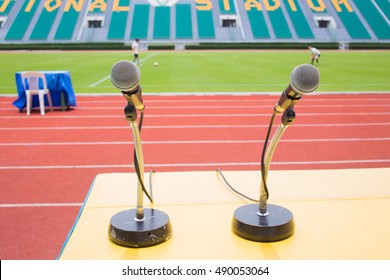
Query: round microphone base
(276, 226)
(154, 229)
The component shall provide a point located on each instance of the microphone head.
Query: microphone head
(305, 78)
(125, 75)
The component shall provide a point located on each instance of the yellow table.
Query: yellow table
(338, 214)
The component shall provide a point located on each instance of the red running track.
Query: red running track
(48, 163)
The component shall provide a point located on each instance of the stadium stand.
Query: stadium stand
(279, 24)
(183, 21)
(258, 25)
(299, 21)
(162, 18)
(118, 21)
(205, 24)
(67, 24)
(42, 27)
(374, 17)
(383, 6)
(194, 21)
(352, 23)
(140, 24)
(4, 11)
(21, 22)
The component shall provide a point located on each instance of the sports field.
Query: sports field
(212, 71)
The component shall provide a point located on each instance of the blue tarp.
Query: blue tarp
(57, 82)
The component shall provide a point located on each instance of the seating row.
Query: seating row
(193, 20)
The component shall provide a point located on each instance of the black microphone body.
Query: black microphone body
(304, 79)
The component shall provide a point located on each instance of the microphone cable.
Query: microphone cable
(263, 171)
(233, 189)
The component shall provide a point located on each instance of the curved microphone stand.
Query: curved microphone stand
(268, 223)
(262, 222)
(139, 227)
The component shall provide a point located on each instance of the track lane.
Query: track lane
(193, 152)
(37, 174)
(224, 132)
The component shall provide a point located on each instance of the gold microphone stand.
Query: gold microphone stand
(139, 227)
(266, 222)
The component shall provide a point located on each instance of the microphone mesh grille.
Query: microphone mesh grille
(305, 78)
(125, 75)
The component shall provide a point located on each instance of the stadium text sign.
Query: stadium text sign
(272, 5)
(201, 5)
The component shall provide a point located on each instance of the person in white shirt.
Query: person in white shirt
(135, 48)
(315, 54)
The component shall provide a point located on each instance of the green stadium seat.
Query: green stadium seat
(279, 24)
(374, 18)
(352, 23)
(299, 21)
(67, 25)
(228, 9)
(258, 24)
(139, 26)
(4, 10)
(384, 6)
(21, 22)
(117, 28)
(205, 24)
(183, 21)
(44, 24)
(162, 22)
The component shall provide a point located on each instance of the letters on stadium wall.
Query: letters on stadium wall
(201, 5)
(272, 5)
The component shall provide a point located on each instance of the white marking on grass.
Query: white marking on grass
(106, 78)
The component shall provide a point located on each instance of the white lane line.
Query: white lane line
(18, 205)
(186, 126)
(159, 99)
(186, 142)
(317, 114)
(236, 94)
(221, 107)
(215, 164)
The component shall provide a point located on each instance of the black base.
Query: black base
(277, 225)
(126, 231)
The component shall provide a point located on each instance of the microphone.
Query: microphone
(137, 227)
(265, 222)
(125, 75)
(304, 79)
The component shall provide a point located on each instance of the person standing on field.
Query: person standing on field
(315, 54)
(135, 48)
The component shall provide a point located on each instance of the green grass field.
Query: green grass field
(208, 71)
